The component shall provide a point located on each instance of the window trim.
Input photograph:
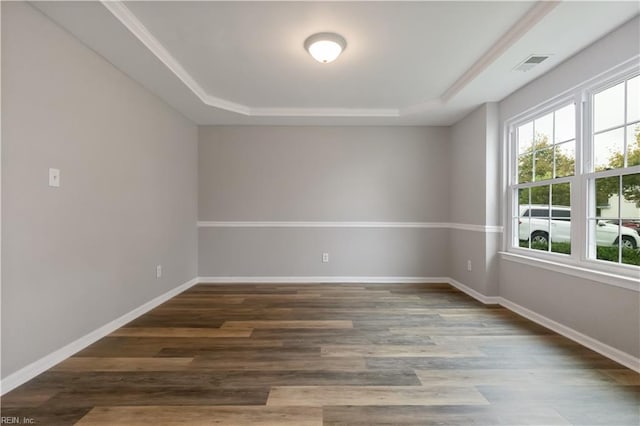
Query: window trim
(582, 95)
(559, 102)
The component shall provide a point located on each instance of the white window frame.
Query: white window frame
(589, 176)
(581, 182)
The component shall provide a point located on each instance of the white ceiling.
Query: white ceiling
(405, 62)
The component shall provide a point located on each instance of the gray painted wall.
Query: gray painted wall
(604, 312)
(354, 252)
(323, 174)
(468, 168)
(79, 256)
(474, 178)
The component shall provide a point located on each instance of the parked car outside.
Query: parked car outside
(629, 223)
(535, 224)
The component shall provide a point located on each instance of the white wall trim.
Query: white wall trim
(487, 300)
(37, 367)
(319, 224)
(320, 280)
(490, 229)
(349, 224)
(595, 345)
(616, 280)
(602, 348)
(324, 112)
(138, 29)
(538, 11)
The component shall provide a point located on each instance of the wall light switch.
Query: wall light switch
(325, 257)
(54, 177)
(158, 271)
(469, 265)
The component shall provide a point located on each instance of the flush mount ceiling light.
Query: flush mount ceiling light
(325, 47)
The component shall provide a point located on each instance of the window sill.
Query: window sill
(617, 280)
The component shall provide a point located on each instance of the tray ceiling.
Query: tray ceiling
(405, 62)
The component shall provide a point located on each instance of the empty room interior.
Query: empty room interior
(307, 213)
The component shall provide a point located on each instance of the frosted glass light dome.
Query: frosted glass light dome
(325, 47)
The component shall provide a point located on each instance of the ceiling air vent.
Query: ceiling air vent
(531, 62)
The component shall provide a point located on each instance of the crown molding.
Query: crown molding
(324, 112)
(122, 13)
(508, 39)
(138, 29)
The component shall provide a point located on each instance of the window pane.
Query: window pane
(523, 202)
(609, 108)
(607, 190)
(539, 231)
(565, 124)
(633, 99)
(525, 138)
(630, 256)
(544, 130)
(633, 145)
(561, 218)
(630, 203)
(561, 196)
(565, 159)
(543, 164)
(608, 150)
(540, 200)
(606, 238)
(525, 168)
(630, 221)
(522, 225)
(540, 214)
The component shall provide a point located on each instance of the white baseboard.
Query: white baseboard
(487, 300)
(610, 352)
(319, 280)
(595, 345)
(32, 370)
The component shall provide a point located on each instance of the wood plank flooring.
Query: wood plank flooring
(330, 354)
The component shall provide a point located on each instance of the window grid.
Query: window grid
(594, 219)
(545, 224)
(582, 182)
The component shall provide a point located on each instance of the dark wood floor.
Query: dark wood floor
(332, 354)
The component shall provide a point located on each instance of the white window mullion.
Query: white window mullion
(624, 135)
(583, 232)
(620, 219)
(553, 154)
(513, 153)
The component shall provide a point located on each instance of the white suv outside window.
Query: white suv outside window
(536, 219)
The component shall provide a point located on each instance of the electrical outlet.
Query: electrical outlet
(158, 271)
(325, 257)
(469, 265)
